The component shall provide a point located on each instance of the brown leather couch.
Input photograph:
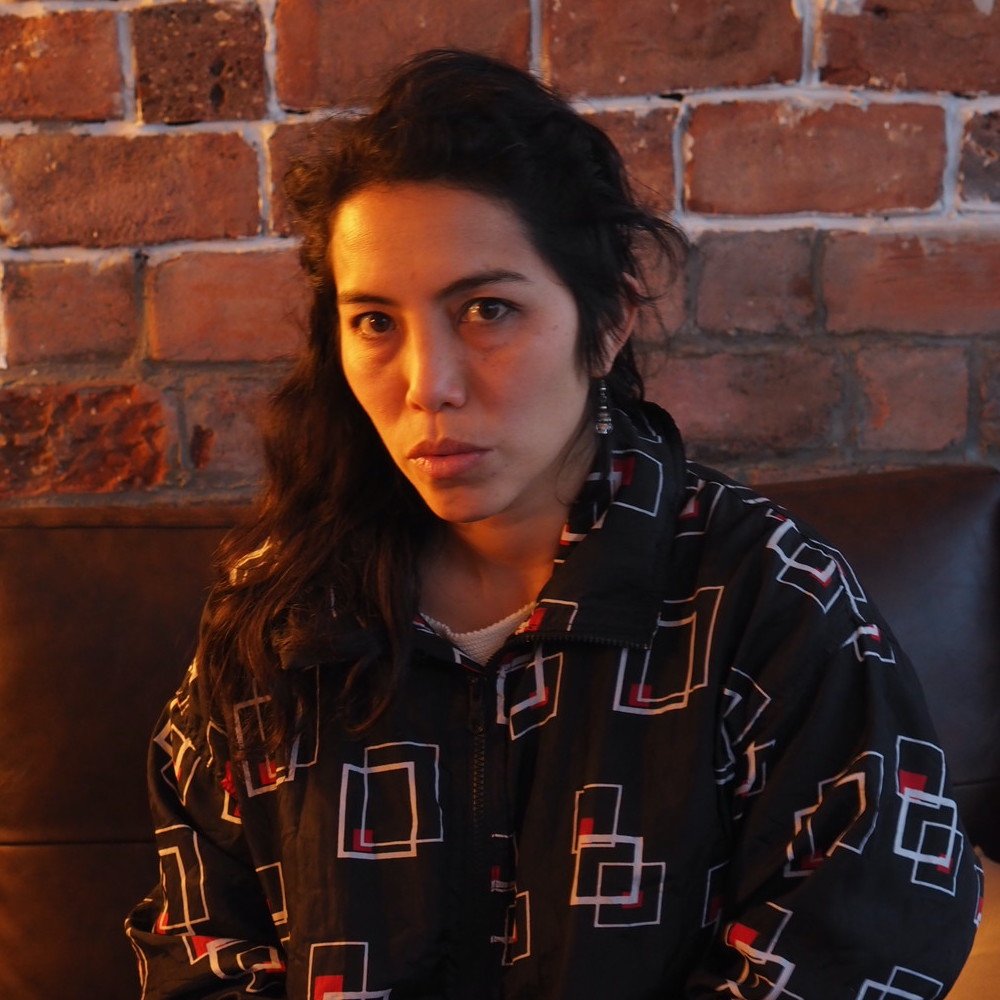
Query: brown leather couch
(98, 614)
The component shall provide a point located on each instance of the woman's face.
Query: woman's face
(460, 343)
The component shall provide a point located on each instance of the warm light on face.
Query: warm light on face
(460, 343)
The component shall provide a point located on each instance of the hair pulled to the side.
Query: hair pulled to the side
(336, 519)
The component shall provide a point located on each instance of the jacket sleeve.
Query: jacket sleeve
(206, 931)
(850, 875)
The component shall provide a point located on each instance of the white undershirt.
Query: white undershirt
(482, 643)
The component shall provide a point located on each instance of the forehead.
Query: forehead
(426, 231)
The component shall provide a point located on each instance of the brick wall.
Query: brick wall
(835, 162)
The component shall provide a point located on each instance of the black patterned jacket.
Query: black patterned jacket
(702, 769)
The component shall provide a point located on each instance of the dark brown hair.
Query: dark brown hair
(336, 517)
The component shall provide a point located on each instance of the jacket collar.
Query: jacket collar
(608, 579)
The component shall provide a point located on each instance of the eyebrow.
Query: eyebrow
(477, 280)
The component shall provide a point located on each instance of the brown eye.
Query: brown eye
(486, 310)
(372, 323)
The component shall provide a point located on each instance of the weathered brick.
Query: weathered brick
(107, 190)
(336, 53)
(671, 292)
(916, 399)
(949, 45)
(989, 399)
(758, 282)
(734, 403)
(945, 283)
(226, 306)
(223, 421)
(645, 140)
(979, 172)
(81, 439)
(58, 310)
(765, 157)
(285, 143)
(199, 62)
(667, 312)
(60, 66)
(606, 47)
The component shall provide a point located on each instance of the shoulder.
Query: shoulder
(772, 563)
(723, 520)
(188, 720)
(715, 504)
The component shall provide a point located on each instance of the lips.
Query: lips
(446, 459)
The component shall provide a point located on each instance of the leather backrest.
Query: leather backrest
(96, 626)
(97, 621)
(926, 546)
(98, 617)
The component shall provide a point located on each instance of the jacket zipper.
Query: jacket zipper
(477, 726)
(478, 927)
(479, 978)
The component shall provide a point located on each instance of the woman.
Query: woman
(499, 696)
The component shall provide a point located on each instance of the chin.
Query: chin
(459, 510)
(453, 514)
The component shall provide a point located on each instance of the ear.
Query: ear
(613, 340)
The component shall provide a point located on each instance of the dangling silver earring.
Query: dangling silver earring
(603, 423)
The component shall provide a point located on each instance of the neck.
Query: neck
(482, 571)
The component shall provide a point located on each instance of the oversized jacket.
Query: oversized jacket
(703, 768)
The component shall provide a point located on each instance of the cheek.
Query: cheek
(360, 377)
(354, 383)
(375, 397)
(553, 370)
(361, 388)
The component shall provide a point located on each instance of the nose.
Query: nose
(435, 371)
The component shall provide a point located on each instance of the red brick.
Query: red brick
(665, 280)
(949, 45)
(60, 66)
(83, 439)
(916, 399)
(989, 398)
(645, 140)
(223, 421)
(110, 190)
(199, 62)
(758, 282)
(945, 283)
(979, 171)
(336, 53)
(607, 47)
(58, 310)
(777, 156)
(285, 143)
(666, 315)
(667, 283)
(732, 403)
(247, 306)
